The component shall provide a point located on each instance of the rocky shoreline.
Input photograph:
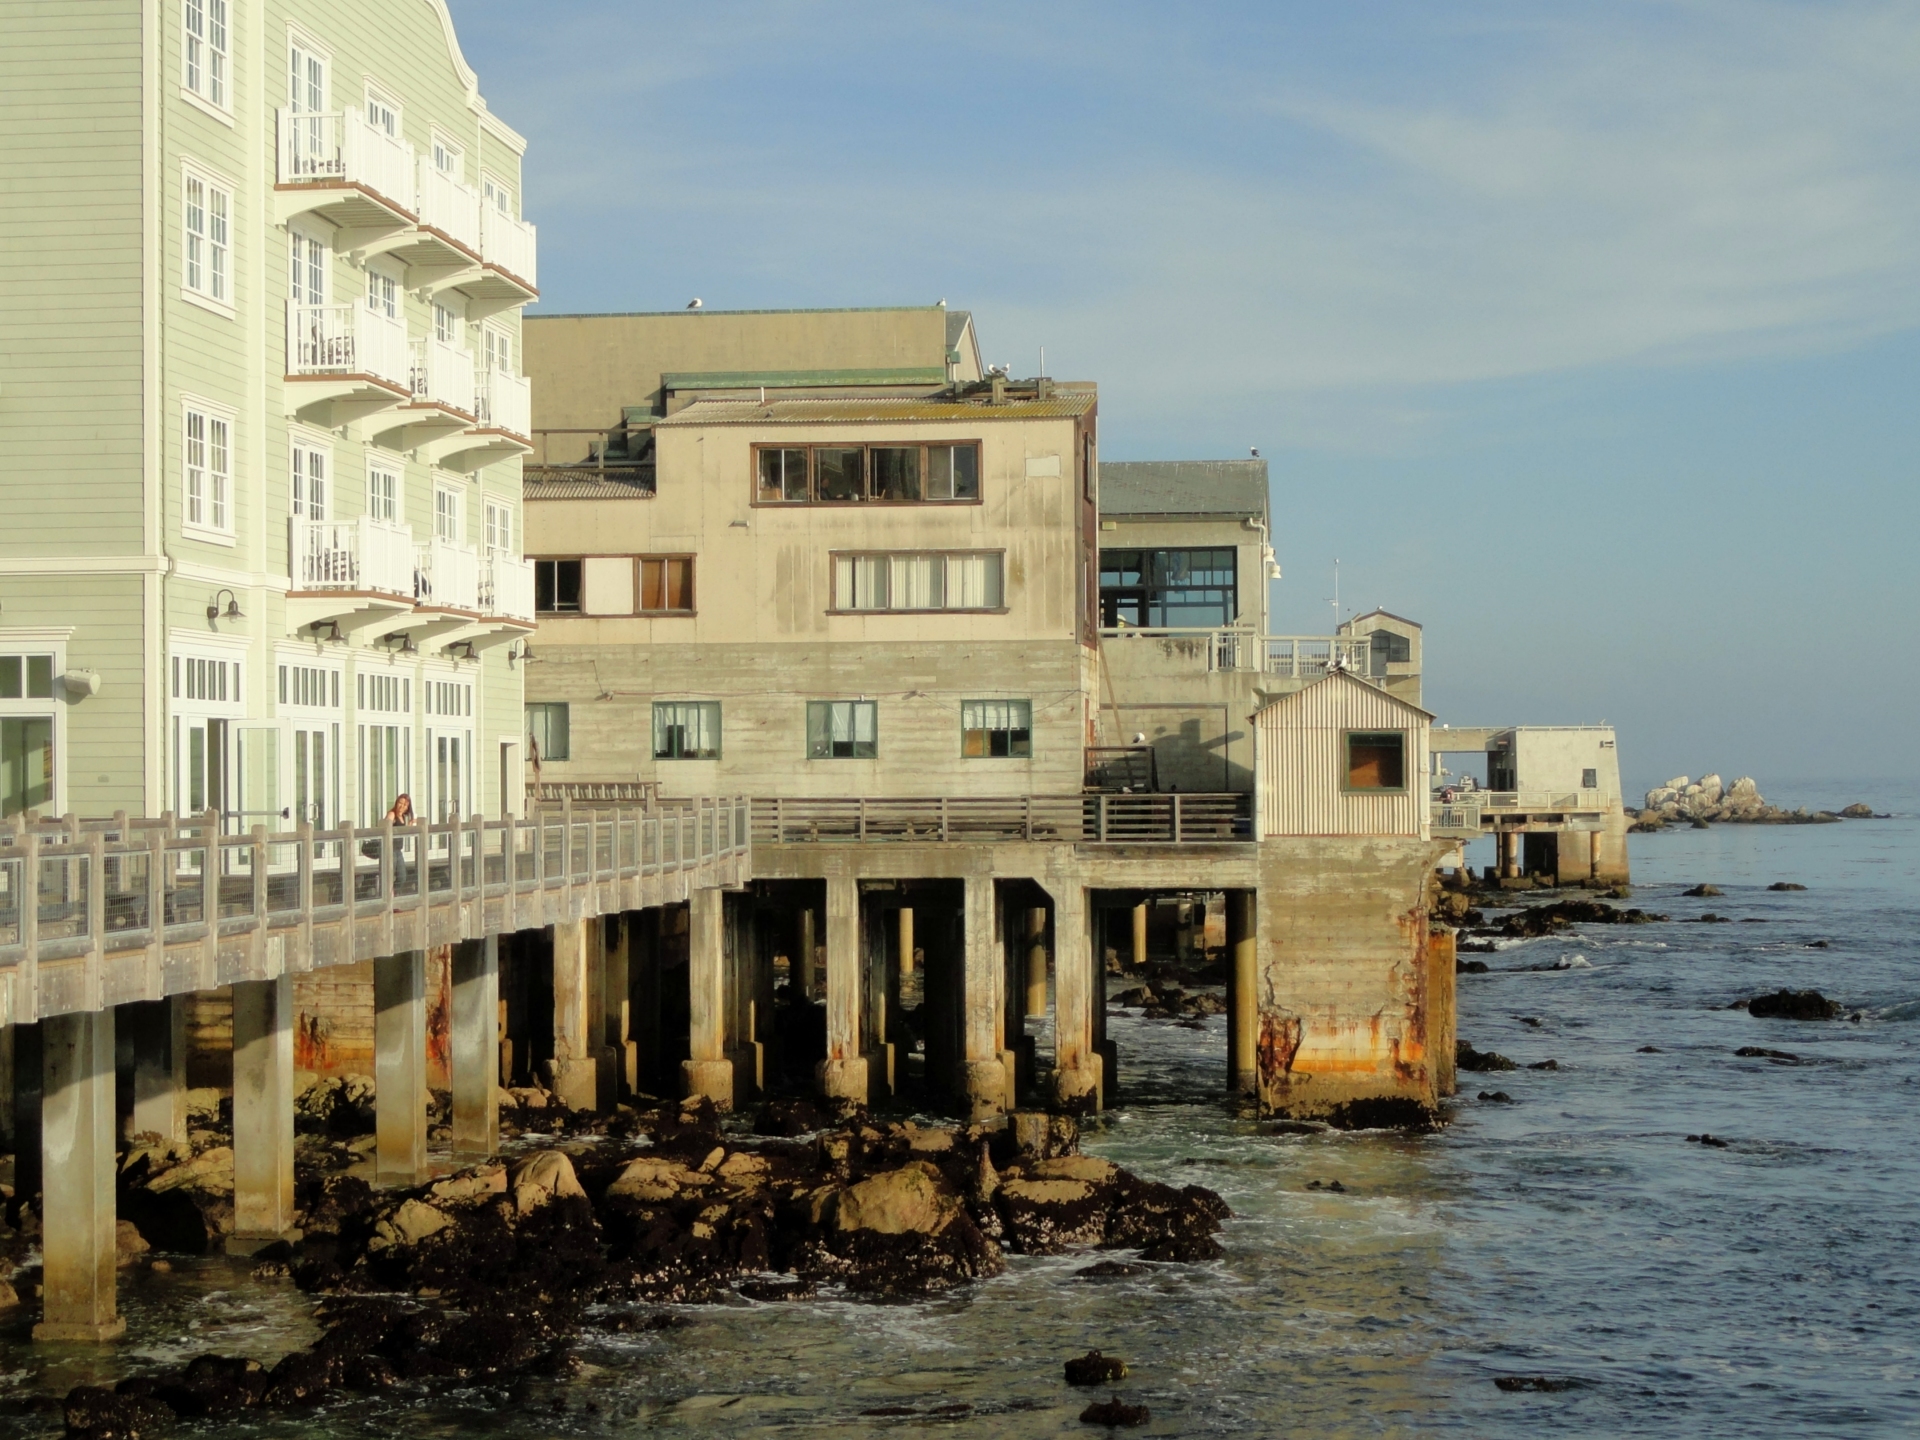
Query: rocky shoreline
(492, 1272)
(1709, 801)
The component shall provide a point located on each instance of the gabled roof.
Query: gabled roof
(1345, 677)
(1183, 487)
(1387, 613)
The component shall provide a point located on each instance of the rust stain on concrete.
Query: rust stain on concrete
(1279, 1042)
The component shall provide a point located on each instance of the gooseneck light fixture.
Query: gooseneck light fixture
(232, 612)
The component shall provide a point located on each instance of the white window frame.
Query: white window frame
(498, 522)
(386, 293)
(301, 249)
(494, 191)
(380, 99)
(206, 253)
(299, 42)
(440, 148)
(209, 85)
(456, 509)
(301, 449)
(497, 346)
(43, 641)
(206, 508)
(447, 324)
(378, 507)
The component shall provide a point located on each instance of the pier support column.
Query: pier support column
(617, 1006)
(77, 1157)
(475, 1048)
(400, 1068)
(984, 1020)
(809, 957)
(263, 1114)
(579, 979)
(1037, 960)
(1140, 933)
(1243, 995)
(1076, 1063)
(906, 941)
(159, 1034)
(843, 1074)
(708, 1071)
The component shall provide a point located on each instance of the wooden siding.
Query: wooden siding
(1302, 763)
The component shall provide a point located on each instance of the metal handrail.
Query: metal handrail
(1170, 819)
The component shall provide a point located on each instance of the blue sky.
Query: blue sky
(1583, 333)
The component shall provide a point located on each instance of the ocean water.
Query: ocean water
(1768, 1288)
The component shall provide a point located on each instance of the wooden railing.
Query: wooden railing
(1080, 819)
(97, 913)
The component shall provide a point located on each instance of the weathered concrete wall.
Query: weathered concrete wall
(1346, 971)
(1196, 720)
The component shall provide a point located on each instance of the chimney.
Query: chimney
(999, 390)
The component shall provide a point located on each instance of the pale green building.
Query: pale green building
(261, 414)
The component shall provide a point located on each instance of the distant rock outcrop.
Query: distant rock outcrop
(1683, 800)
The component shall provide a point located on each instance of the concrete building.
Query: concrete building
(1551, 804)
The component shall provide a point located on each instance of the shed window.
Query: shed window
(686, 730)
(842, 730)
(1376, 760)
(990, 729)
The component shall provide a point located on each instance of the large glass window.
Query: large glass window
(686, 730)
(853, 474)
(1168, 589)
(842, 730)
(548, 731)
(992, 729)
(919, 580)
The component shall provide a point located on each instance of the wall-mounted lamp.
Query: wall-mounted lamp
(462, 651)
(332, 627)
(405, 647)
(232, 612)
(522, 652)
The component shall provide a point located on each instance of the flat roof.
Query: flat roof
(1183, 487)
(952, 331)
(874, 411)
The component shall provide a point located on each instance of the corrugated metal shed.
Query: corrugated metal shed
(1301, 747)
(1183, 487)
(583, 484)
(876, 411)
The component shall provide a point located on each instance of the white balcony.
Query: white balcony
(339, 166)
(443, 375)
(347, 359)
(508, 244)
(450, 207)
(446, 576)
(506, 403)
(506, 587)
(348, 571)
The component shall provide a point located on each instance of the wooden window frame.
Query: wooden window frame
(692, 606)
(538, 561)
(983, 730)
(1347, 737)
(866, 447)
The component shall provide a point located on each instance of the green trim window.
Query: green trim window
(26, 763)
(1376, 760)
(859, 474)
(26, 677)
(686, 729)
(996, 729)
(548, 730)
(842, 730)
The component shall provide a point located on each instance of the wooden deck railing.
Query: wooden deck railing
(1080, 819)
(100, 912)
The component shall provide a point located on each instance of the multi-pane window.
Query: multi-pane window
(26, 677)
(447, 158)
(309, 482)
(446, 325)
(1168, 589)
(995, 729)
(309, 686)
(383, 295)
(499, 532)
(1376, 760)
(497, 196)
(206, 231)
(853, 474)
(447, 697)
(383, 494)
(205, 51)
(842, 730)
(556, 587)
(383, 115)
(498, 350)
(197, 679)
(207, 464)
(666, 583)
(387, 694)
(686, 730)
(307, 270)
(919, 580)
(27, 772)
(447, 517)
(548, 730)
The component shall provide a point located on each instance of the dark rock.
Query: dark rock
(1818, 944)
(1547, 1383)
(97, 1413)
(1792, 1005)
(302, 1378)
(1712, 919)
(1787, 884)
(1700, 825)
(1650, 1050)
(1704, 890)
(1712, 1141)
(1093, 1368)
(1544, 1065)
(773, 1291)
(1757, 1052)
(1113, 1270)
(1332, 1185)
(1465, 1057)
(789, 1118)
(1855, 811)
(1546, 919)
(1115, 1414)
(1393, 1113)
(1470, 967)
(1497, 1097)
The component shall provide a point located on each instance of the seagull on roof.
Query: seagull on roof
(694, 303)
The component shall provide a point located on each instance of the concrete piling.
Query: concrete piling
(707, 1071)
(262, 1114)
(579, 982)
(400, 1068)
(1076, 1062)
(1243, 995)
(1140, 933)
(617, 1005)
(987, 1078)
(77, 1157)
(843, 1074)
(158, 1029)
(1037, 960)
(474, 1051)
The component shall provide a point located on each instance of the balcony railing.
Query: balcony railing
(443, 374)
(360, 555)
(1545, 802)
(351, 339)
(1081, 819)
(342, 147)
(449, 205)
(507, 243)
(505, 403)
(446, 575)
(1300, 657)
(506, 587)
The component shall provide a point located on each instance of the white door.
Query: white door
(312, 148)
